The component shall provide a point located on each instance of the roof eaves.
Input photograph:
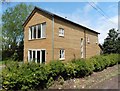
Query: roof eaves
(34, 10)
(44, 11)
(76, 24)
(39, 9)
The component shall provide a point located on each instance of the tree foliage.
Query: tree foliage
(12, 30)
(112, 42)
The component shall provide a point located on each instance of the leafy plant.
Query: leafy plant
(34, 76)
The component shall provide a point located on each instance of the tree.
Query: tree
(111, 42)
(118, 44)
(12, 30)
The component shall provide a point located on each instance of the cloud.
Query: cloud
(91, 19)
(88, 7)
(103, 26)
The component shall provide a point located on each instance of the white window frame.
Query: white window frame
(32, 31)
(36, 55)
(61, 32)
(29, 34)
(42, 30)
(62, 55)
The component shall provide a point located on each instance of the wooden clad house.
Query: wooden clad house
(48, 36)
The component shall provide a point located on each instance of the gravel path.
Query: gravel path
(111, 83)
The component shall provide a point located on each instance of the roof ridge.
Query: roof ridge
(52, 14)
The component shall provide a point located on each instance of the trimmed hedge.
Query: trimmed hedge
(35, 76)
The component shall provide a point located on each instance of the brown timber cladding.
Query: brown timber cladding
(70, 42)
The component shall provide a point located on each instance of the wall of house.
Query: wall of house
(39, 43)
(92, 47)
(71, 41)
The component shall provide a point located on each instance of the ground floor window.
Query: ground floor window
(37, 55)
(62, 54)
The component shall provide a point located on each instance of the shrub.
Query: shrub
(97, 66)
(25, 76)
(56, 68)
(82, 68)
(113, 59)
(70, 71)
(103, 61)
(90, 66)
(18, 76)
(60, 80)
(49, 82)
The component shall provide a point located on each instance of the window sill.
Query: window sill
(61, 35)
(37, 39)
(61, 59)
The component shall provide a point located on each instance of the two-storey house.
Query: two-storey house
(48, 36)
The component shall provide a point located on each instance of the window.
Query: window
(81, 48)
(62, 54)
(37, 31)
(43, 28)
(61, 32)
(37, 55)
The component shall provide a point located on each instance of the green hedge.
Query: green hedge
(35, 76)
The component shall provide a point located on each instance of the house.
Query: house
(48, 36)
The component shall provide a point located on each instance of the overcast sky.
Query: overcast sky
(99, 16)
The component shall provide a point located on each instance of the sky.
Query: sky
(99, 16)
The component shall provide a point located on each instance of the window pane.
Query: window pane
(61, 32)
(44, 30)
(34, 32)
(43, 56)
(34, 56)
(39, 31)
(30, 53)
(60, 53)
(38, 56)
(31, 32)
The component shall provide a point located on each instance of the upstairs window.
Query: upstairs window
(37, 31)
(62, 54)
(61, 32)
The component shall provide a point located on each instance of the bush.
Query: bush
(113, 58)
(25, 76)
(70, 71)
(104, 61)
(18, 76)
(82, 68)
(56, 68)
(100, 63)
